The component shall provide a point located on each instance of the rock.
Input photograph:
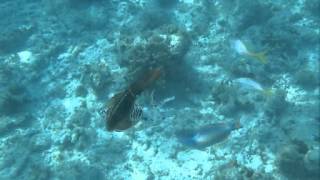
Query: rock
(312, 162)
(162, 47)
(290, 162)
(40, 142)
(12, 38)
(14, 99)
(80, 118)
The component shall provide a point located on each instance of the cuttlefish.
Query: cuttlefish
(122, 112)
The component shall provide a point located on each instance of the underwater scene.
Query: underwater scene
(159, 90)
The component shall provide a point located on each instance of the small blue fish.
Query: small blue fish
(207, 135)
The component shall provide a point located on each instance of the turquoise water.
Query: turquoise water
(65, 64)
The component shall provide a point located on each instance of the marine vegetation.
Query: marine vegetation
(121, 111)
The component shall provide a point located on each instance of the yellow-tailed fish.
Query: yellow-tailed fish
(242, 49)
(249, 84)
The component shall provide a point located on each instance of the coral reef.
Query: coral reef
(162, 47)
(299, 162)
(12, 39)
(61, 61)
(14, 99)
(307, 79)
(97, 76)
(276, 106)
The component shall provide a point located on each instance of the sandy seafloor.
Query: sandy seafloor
(61, 61)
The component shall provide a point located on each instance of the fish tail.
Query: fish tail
(237, 124)
(267, 92)
(260, 56)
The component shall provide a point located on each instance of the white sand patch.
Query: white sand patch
(71, 104)
(26, 57)
(138, 175)
(255, 162)
(295, 94)
(207, 110)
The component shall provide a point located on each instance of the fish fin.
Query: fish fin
(136, 114)
(260, 56)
